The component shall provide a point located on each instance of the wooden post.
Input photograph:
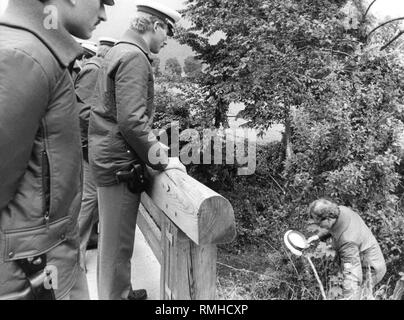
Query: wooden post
(183, 221)
(151, 232)
(188, 271)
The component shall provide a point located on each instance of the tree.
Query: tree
(333, 78)
(173, 67)
(192, 66)
(272, 42)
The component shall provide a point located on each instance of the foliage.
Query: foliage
(173, 67)
(317, 67)
(192, 67)
(264, 275)
(156, 66)
(184, 104)
(345, 144)
(183, 101)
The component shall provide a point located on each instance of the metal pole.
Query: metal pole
(317, 278)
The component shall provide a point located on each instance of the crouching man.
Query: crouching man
(121, 143)
(359, 252)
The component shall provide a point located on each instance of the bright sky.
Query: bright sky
(127, 4)
(118, 16)
(382, 7)
(3, 4)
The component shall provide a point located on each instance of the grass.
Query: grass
(260, 275)
(270, 274)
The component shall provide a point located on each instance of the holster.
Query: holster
(37, 278)
(136, 178)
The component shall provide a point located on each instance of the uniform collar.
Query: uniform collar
(341, 224)
(29, 15)
(133, 37)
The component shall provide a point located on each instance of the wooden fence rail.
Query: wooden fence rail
(183, 221)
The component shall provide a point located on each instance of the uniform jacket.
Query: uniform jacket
(75, 70)
(85, 84)
(120, 132)
(40, 153)
(357, 248)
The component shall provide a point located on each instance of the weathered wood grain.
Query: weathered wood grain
(202, 214)
(188, 271)
(150, 231)
(152, 209)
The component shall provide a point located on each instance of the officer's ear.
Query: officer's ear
(156, 26)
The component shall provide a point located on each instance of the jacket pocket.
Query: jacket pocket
(30, 242)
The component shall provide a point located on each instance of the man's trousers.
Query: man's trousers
(118, 209)
(88, 216)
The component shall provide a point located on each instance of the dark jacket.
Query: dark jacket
(120, 132)
(85, 84)
(40, 153)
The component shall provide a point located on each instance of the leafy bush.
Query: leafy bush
(330, 158)
(320, 69)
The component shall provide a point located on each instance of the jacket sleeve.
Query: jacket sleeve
(85, 86)
(351, 269)
(131, 90)
(24, 95)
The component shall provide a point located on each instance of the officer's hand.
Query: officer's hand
(175, 163)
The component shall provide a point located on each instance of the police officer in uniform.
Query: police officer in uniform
(89, 51)
(122, 143)
(40, 150)
(85, 85)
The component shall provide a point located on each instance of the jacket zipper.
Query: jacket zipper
(46, 186)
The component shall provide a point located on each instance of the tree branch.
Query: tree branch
(336, 51)
(348, 40)
(368, 9)
(392, 40)
(383, 24)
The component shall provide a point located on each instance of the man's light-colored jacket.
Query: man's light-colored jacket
(358, 250)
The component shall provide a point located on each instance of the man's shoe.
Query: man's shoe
(140, 294)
